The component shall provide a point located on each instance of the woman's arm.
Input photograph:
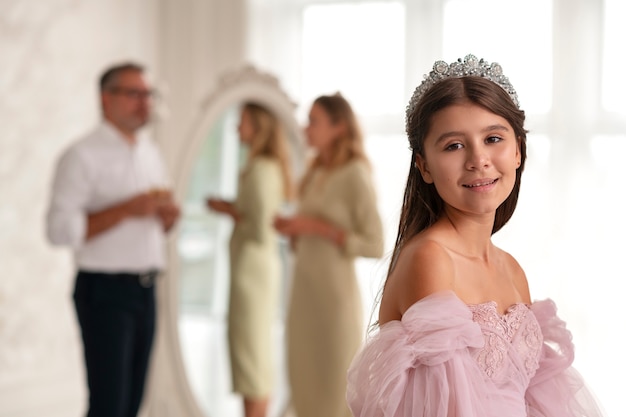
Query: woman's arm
(305, 225)
(365, 237)
(223, 206)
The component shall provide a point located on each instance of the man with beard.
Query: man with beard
(110, 205)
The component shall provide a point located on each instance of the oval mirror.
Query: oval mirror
(198, 281)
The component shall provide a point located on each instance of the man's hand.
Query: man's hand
(167, 210)
(145, 204)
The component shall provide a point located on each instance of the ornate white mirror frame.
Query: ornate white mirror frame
(170, 392)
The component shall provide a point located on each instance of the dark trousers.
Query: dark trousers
(116, 314)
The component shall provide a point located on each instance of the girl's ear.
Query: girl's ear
(422, 166)
(518, 154)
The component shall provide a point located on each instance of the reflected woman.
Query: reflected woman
(255, 265)
(337, 221)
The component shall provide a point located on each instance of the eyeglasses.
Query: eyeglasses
(134, 93)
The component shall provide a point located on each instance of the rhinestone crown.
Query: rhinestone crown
(469, 66)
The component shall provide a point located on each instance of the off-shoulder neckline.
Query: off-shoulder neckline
(469, 307)
(492, 305)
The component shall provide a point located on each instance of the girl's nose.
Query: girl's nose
(477, 158)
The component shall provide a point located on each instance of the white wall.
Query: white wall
(51, 55)
(52, 52)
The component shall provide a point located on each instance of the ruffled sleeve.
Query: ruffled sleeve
(421, 366)
(557, 389)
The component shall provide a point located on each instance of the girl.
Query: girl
(458, 333)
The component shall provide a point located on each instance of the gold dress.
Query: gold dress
(325, 323)
(255, 278)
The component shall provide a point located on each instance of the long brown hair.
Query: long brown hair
(346, 147)
(269, 141)
(422, 206)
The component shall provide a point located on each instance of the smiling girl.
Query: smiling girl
(458, 334)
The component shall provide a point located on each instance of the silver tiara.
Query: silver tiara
(470, 66)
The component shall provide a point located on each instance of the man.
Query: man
(109, 205)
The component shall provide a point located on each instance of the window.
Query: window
(614, 60)
(357, 49)
(480, 27)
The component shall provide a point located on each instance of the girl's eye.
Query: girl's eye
(493, 139)
(453, 147)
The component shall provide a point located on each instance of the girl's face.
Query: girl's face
(321, 132)
(246, 128)
(471, 156)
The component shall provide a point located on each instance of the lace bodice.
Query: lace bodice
(517, 329)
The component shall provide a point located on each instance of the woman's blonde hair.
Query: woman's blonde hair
(269, 141)
(346, 147)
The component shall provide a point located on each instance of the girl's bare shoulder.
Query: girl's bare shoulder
(515, 271)
(423, 267)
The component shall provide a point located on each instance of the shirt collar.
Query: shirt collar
(113, 133)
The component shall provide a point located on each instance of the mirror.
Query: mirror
(200, 275)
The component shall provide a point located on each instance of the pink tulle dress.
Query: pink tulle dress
(448, 359)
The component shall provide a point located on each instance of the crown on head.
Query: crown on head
(470, 66)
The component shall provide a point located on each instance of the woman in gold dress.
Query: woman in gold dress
(337, 221)
(255, 265)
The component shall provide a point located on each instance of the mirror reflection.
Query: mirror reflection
(234, 267)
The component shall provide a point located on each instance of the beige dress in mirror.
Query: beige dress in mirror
(325, 321)
(255, 278)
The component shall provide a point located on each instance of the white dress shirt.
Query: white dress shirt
(99, 171)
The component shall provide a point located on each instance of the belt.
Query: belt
(145, 279)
